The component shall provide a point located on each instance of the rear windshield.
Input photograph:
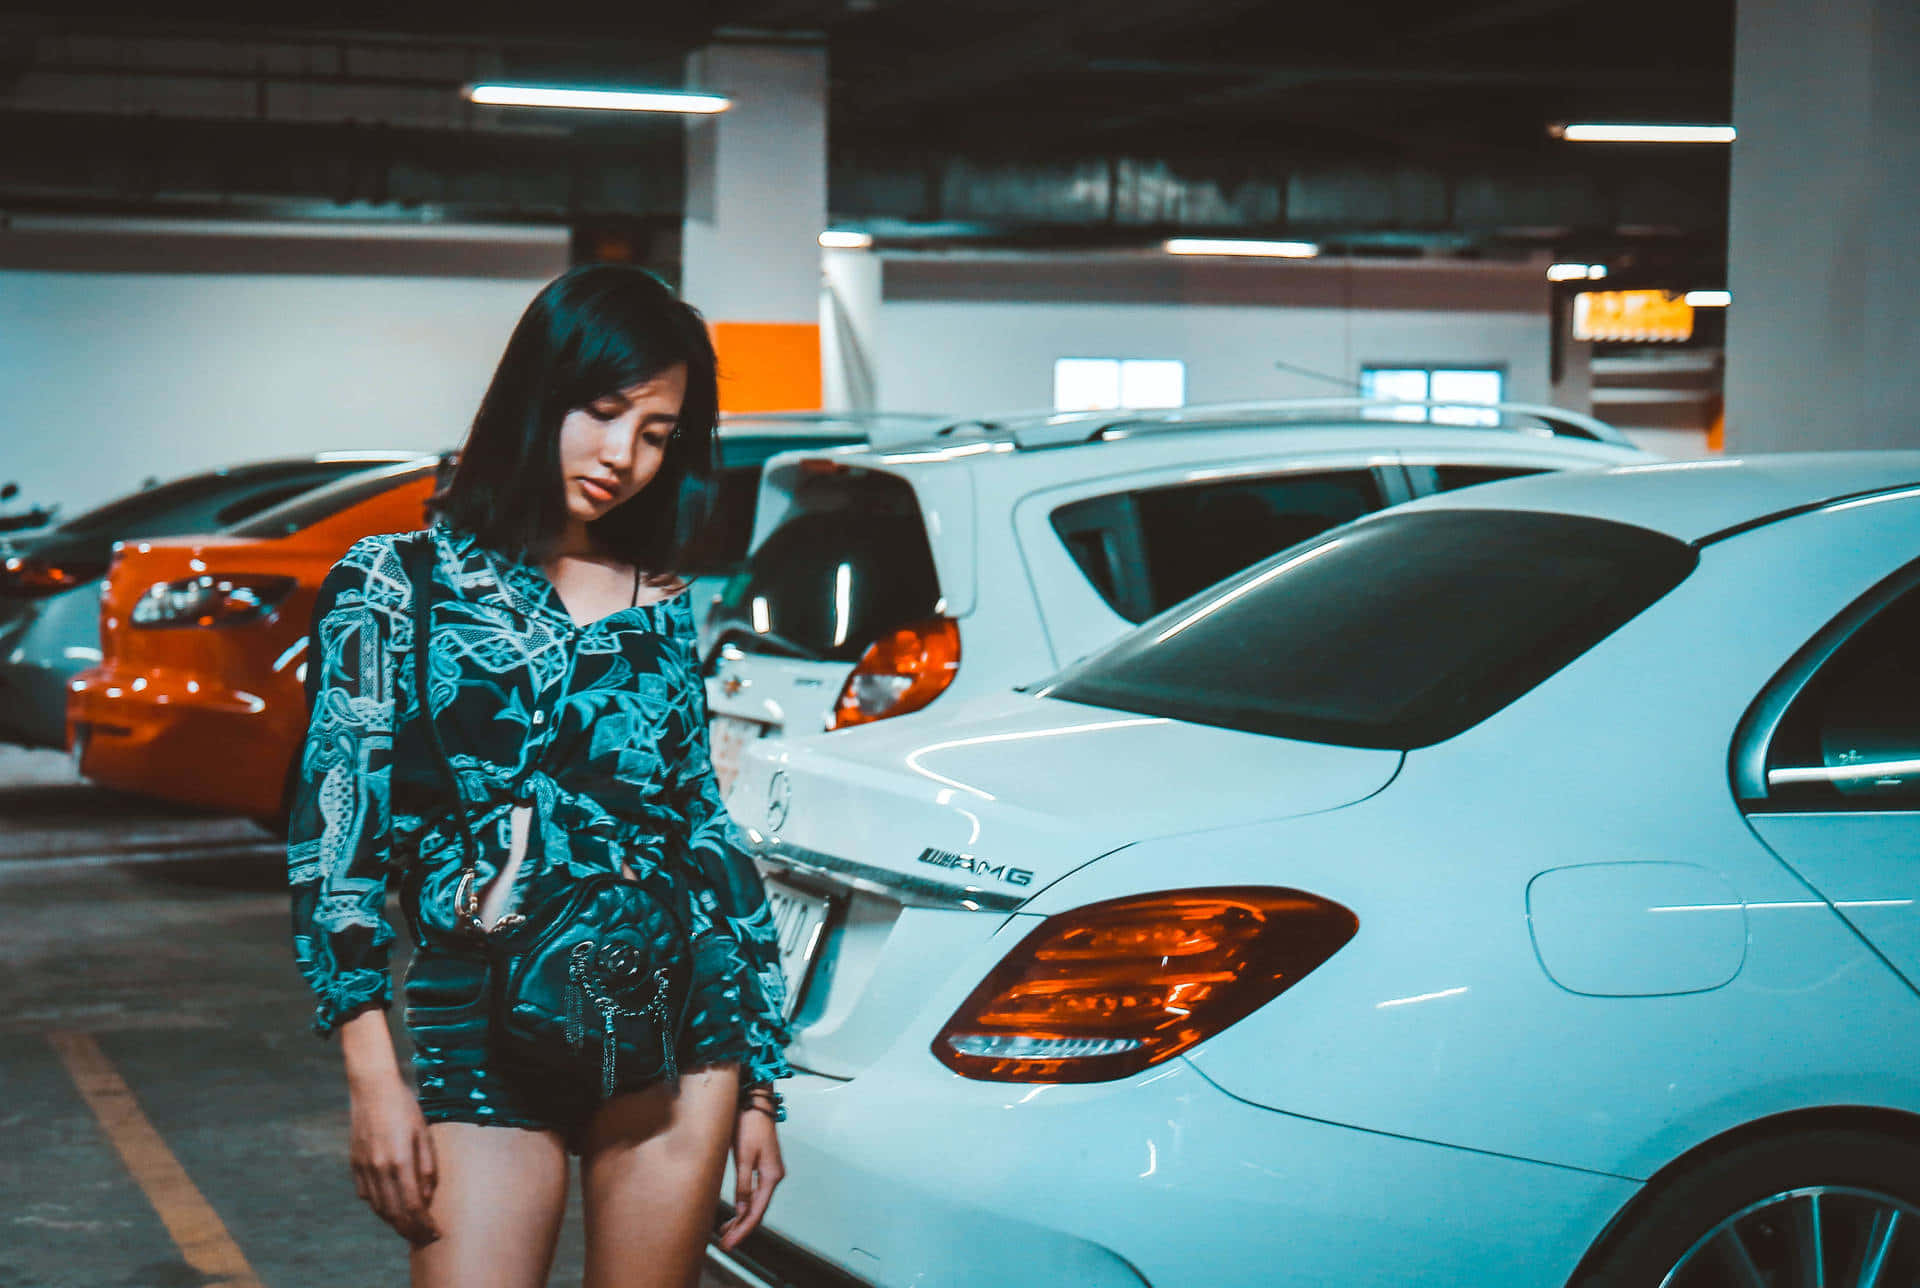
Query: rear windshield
(310, 508)
(721, 548)
(848, 564)
(1400, 631)
(201, 502)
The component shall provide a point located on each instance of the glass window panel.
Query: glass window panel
(1086, 384)
(1390, 382)
(1466, 387)
(1153, 382)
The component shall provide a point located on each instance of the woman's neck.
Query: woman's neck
(574, 543)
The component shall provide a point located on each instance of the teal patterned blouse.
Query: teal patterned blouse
(600, 729)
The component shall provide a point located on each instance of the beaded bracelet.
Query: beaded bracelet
(761, 1097)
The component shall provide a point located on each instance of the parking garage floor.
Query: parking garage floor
(166, 1120)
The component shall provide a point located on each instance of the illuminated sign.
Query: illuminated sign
(1631, 315)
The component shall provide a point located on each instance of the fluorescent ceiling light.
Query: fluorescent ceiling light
(836, 239)
(1575, 272)
(1215, 246)
(1647, 133)
(606, 100)
(1709, 299)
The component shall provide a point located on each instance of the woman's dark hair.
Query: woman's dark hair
(591, 332)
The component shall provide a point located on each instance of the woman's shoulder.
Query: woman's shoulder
(373, 571)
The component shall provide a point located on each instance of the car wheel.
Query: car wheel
(1839, 1208)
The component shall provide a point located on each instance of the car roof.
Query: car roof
(1698, 500)
(997, 459)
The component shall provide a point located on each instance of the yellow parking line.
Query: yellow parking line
(189, 1218)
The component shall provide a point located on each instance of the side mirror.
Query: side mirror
(10, 491)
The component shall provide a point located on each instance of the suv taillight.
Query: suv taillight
(1109, 989)
(901, 671)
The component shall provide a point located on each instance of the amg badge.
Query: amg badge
(979, 867)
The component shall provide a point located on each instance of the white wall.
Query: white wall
(982, 335)
(107, 378)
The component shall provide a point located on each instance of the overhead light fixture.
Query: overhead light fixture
(603, 100)
(1644, 133)
(1576, 272)
(1220, 246)
(839, 239)
(1710, 299)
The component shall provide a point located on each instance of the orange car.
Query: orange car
(199, 694)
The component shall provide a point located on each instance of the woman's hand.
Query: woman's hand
(387, 1148)
(756, 1171)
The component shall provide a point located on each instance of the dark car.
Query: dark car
(49, 603)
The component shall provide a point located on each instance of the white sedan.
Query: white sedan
(1514, 888)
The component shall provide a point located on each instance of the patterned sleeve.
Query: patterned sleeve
(737, 900)
(337, 840)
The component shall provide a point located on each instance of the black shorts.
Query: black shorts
(462, 1075)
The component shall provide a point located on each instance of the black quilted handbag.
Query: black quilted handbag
(597, 972)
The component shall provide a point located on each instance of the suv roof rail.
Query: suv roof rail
(1065, 429)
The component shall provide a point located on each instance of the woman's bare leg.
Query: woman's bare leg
(650, 1177)
(499, 1203)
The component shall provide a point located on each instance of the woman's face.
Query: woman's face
(612, 447)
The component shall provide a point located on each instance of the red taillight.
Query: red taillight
(207, 600)
(901, 671)
(1112, 988)
(26, 576)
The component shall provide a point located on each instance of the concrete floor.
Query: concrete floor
(161, 935)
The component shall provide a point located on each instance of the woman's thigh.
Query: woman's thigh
(650, 1176)
(500, 1199)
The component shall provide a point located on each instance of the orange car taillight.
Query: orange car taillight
(210, 601)
(901, 671)
(1109, 989)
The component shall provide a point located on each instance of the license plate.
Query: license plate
(729, 736)
(799, 922)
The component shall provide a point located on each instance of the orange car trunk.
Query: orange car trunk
(214, 715)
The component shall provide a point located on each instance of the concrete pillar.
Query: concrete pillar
(1824, 262)
(850, 331)
(756, 203)
(1572, 360)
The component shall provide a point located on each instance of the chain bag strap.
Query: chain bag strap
(603, 962)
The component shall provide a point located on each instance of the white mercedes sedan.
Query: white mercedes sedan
(1513, 888)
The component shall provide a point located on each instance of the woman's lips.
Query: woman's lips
(597, 492)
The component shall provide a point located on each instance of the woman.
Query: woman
(566, 692)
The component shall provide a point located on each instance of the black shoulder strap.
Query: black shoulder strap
(417, 556)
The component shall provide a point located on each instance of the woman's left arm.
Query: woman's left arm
(737, 899)
(737, 902)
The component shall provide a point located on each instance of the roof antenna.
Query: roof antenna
(1342, 381)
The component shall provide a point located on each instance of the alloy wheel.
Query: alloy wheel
(1819, 1236)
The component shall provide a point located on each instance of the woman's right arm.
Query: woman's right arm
(338, 847)
(338, 856)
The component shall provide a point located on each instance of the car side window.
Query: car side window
(1851, 738)
(1448, 477)
(1146, 551)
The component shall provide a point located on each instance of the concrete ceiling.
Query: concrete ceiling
(1380, 126)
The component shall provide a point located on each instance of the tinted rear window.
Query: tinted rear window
(849, 563)
(1144, 551)
(311, 507)
(200, 502)
(721, 548)
(1398, 632)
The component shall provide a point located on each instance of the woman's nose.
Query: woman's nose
(616, 446)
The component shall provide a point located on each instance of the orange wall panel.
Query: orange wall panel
(768, 366)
